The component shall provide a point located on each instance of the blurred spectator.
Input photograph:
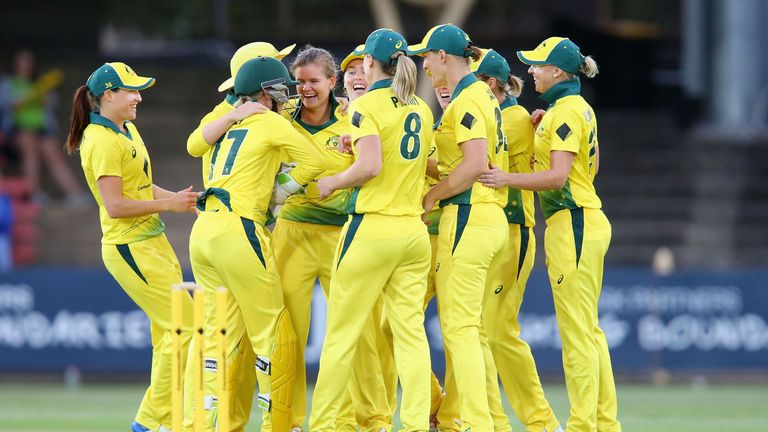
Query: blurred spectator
(27, 106)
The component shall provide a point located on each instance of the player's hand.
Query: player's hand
(427, 204)
(345, 144)
(246, 110)
(343, 104)
(325, 186)
(494, 177)
(536, 117)
(184, 200)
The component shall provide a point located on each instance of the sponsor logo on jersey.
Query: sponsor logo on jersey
(498, 289)
(133, 152)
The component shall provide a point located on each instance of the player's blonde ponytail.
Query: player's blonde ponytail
(404, 80)
(82, 105)
(589, 67)
(513, 86)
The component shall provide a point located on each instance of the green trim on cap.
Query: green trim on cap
(107, 77)
(98, 119)
(380, 84)
(382, 43)
(561, 90)
(557, 51)
(494, 65)
(465, 82)
(446, 37)
(254, 73)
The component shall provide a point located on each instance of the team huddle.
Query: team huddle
(387, 207)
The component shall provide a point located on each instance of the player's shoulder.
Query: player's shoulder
(571, 108)
(515, 114)
(265, 119)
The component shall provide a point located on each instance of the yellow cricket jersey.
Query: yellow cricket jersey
(246, 159)
(433, 217)
(405, 135)
(107, 151)
(196, 144)
(519, 133)
(472, 113)
(569, 125)
(308, 207)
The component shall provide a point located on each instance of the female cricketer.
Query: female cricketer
(511, 354)
(384, 246)
(133, 246)
(241, 374)
(308, 228)
(229, 245)
(578, 233)
(473, 227)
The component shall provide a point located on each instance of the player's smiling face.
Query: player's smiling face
(314, 87)
(543, 77)
(443, 96)
(123, 103)
(434, 65)
(354, 79)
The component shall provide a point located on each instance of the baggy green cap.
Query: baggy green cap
(446, 37)
(116, 75)
(492, 64)
(557, 51)
(381, 44)
(259, 73)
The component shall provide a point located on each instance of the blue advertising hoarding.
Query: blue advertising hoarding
(53, 318)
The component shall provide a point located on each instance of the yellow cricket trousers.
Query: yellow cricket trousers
(385, 348)
(576, 242)
(146, 270)
(512, 355)
(234, 252)
(303, 253)
(470, 243)
(375, 254)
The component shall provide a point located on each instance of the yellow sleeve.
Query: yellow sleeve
(362, 122)
(106, 159)
(310, 159)
(469, 122)
(196, 144)
(566, 132)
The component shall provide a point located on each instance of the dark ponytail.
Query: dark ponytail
(82, 105)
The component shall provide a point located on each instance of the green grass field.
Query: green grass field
(642, 408)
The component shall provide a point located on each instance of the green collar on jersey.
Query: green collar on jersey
(465, 82)
(508, 102)
(561, 90)
(315, 129)
(437, 121)
(96, 118)
(385, 83)
(231, 98)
